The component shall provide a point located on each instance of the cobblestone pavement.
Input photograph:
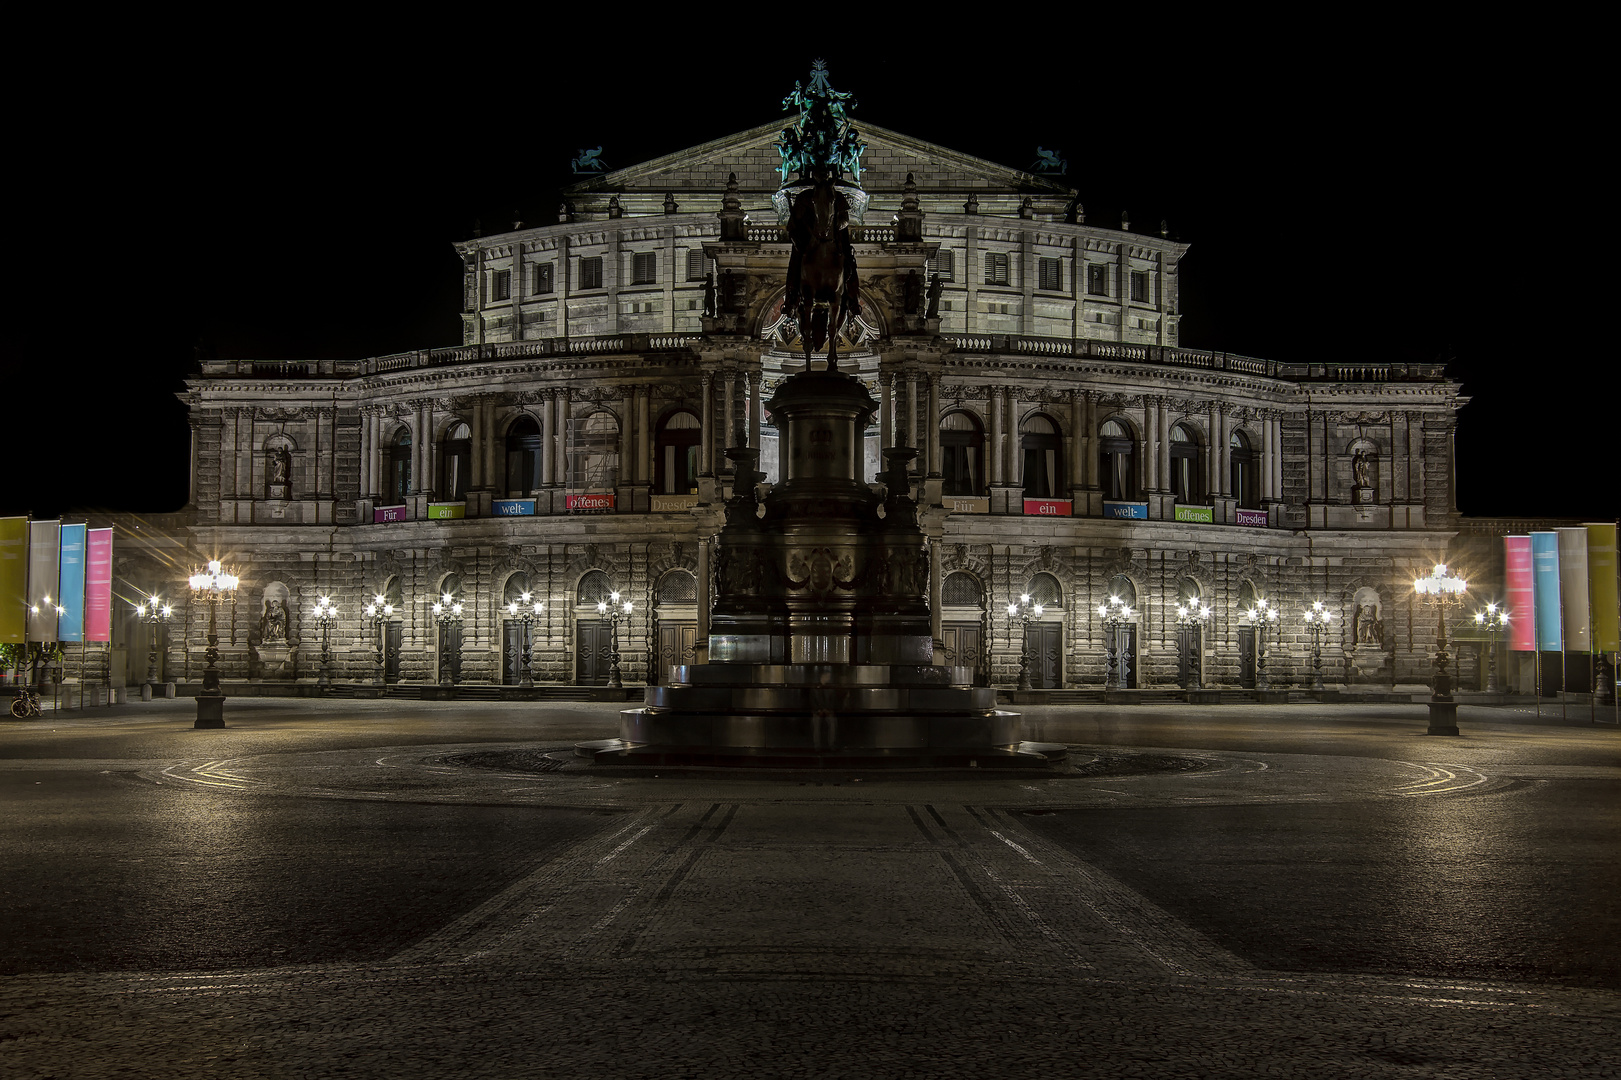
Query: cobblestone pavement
(841, 925)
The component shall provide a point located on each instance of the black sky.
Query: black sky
(300, 202)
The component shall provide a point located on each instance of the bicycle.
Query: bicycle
(25, 704)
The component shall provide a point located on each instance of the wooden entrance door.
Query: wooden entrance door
(1126, 658)
(1246, 657)
(1044, 645)
(593, 641)
(393, 638)
(964, 642)
(511, 652)
(450, 653)
(678, 645)
(1190, 657)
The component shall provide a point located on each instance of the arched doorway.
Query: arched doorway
(962, 624)
(450, 631)
(1117, 468)
(962, 455)
(675, 463)
(516, 592)
(1247, 595)
(675, 613)
(1124, 642)
(398, 468)
(1043, 458)
(523, 458)
(593, 635)
(393, 628)
(1189, 635)
(1044, 637)
(455, 463)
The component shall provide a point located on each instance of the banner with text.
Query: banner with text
(70, 572)
(390, 513)
(601, 501)
(1545, 590)
(1573, 589)
(13, 578)
(446, 511)
(1206, 514)
(1047, 507)
(98, 586)
(1601, 571)
(512, 507)
(1135, 511)
(968, 504)
(44, 538)
(1517, 578)
(672, 504)
(1255, 519)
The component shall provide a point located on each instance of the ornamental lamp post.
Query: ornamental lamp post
(613, 611)
(1317, 620)
(1442, 590)
(326, 613)
(1259, 617)
(1026, 611)
(525, 611)
(154, 611)
(449, 613)
(1115, 614)
(213, 586)
(376, 616)
(1494, 620)
(1190, 620)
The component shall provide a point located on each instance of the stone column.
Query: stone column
(1266, 459)
(756, 407)
(1224, 470)
(1077, 441)
(368, 438)
(494, 456)
(934, 594)
(727, 434)
(1150, 456)
(476, 478)
(1010, 470)
(1213, 458)
(909, 431)
(1089, 433)
(643, 443)
(933, 430)
(1163, 466)
(995, 454)
(886, 431)
(548, 428)
(561, 435)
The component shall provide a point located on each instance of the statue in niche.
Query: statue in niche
(273, 624)
(1362, 469)
(1369, 630)
(935, 289)
(281, 466)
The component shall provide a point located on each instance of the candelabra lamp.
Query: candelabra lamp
(1494, 620)
(214, 585)
(1442, 590)
(325, 613)
(1260, 617)
(1317, 620)
(613, 610)
(154, 612)
(377, 614)
(526, 611)
(448, 611)
(1026, 611)
(1190, 622)
(1115, 614)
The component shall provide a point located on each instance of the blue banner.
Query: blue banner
(70, 624)
(1545, 590)
(512, 507)
(1136, 511)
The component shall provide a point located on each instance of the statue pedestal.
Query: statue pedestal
(1368, 661)
(276, 661)
(1362, 496)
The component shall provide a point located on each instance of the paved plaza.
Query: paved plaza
(386, 888)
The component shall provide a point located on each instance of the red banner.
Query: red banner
(1517, 576)
(98, 587)
(603, 501)
(1047, 507)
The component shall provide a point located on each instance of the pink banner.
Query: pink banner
(591, 502)
(98, 587)
(1517, 576)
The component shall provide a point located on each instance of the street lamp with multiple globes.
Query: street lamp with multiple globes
(1190, 620)
(526, 611)
(1442, 590)
(1317, 620)
(613, 611)
(449, 613)
(155, 612)
(1494, 620)
(213, 586)
(1260, 617)
(1115, 613)
(1026, 611)
(377, 615)
(325, 613)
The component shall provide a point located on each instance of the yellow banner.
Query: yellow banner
(1601, 571)
(13, 578)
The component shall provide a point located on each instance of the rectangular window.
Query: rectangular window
(695, 264)
(1052, 275)
(1097, 279)
(543, 277)
(645, 268)
(591, 273)
(944, 264)
(1139, 286)
(501, 285)
(996, 268)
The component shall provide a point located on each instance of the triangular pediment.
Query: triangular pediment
(753, 156)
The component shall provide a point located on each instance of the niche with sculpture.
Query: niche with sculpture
(276, 654)
(1368, 652)
(1364, 472)
(279, 467)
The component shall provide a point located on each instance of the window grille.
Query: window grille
(543, 277)
(593, 587)
(1044, 590)
(996, 268)
(1052, 275)
(645, 268)
(591, 273)
(960, 590)
(501, 285)
(1097, 280)
(678, 587)
(695, 264)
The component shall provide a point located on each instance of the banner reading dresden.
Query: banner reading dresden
(13, 578)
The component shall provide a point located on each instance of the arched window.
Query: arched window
(1045, 590)
(1247, 595)
(455, 463)
(593, 452)
(523, 457)
(399, 467)
(1043, 458)
(960, 589)
(516, 586)
(1246, 485)
(675, 466)
(594, 587)
(1184, 465)
(1187, 591)
(962, 453)
(1116, 466)
(392, 594)
(1120, 585)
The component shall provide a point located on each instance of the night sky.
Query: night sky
(301, 204)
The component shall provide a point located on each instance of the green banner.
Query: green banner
(446, 511)
(1206, 514)
(13, 578)
(1601, 572)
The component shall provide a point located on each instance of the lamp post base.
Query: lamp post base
(210, 710)
(1443, 718)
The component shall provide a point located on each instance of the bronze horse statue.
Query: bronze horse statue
(823, 289)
